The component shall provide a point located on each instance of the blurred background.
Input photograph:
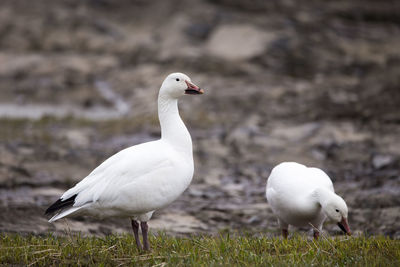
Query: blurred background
(315, 82)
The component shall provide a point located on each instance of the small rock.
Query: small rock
(198, 30)
(77, 138)
(238, 42)
(177, 222)
(295, 133)
(380, 161)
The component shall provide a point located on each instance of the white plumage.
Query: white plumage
(304, 197)
(143, 178)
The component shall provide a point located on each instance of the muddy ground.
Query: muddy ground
(310, 81)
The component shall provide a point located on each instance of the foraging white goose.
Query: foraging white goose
(303, 196)
(143, 178)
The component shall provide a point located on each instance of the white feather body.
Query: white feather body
(291, 193)
(143, 178)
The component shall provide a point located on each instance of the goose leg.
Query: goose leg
(284, 226)
(135, 228)
(316, 234)
(145, 229)
(285, 233)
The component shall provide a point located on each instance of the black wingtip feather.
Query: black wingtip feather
(60, 204)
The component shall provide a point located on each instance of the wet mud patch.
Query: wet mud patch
(317, 84)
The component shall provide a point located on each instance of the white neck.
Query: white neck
(322, 195)
(173, 130)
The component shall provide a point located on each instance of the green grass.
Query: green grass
(198, 251)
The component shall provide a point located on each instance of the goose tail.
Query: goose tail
(64, 214)
(62, 208)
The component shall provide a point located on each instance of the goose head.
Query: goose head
(178, 84)
(335, 209)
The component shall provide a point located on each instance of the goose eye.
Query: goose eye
(337, 210)
(177, 79)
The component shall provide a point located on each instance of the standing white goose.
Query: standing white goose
(143, 178)
(303, 197)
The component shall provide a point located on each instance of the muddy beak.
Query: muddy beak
(193, 89)
(344, 226)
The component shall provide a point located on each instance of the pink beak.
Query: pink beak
(344, 226)
(193, 89)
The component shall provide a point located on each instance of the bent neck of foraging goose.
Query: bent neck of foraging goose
(173, 130)
(332, 204)
(323, 195)
(334, 207)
